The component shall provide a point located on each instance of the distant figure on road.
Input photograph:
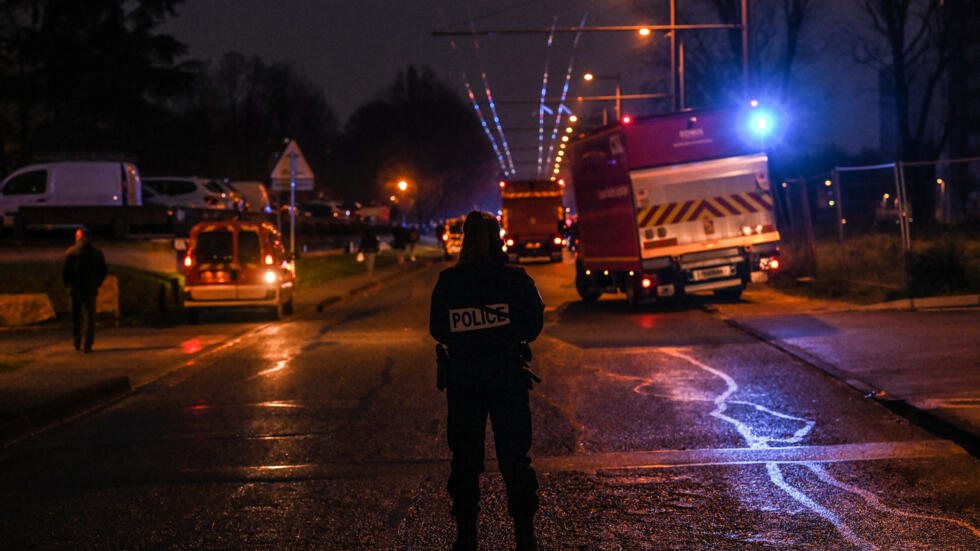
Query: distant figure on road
(485, 313)
(83, 273)
(399, 240)
(369, 247)
(413, 238)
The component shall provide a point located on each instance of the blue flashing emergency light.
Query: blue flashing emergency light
(761, 124)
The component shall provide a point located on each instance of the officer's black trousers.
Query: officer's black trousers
(507, 404)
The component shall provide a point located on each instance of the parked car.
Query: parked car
(190, 192)
(234, 264)
(255, 194)
(70, 184)
(452, 237)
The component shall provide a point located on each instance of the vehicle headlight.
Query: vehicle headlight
(270, 277)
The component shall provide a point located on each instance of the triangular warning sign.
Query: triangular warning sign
(282, 175)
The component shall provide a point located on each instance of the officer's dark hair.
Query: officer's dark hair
(481, 239)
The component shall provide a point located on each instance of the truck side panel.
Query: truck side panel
(604, 200)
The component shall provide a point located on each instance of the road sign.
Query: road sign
(292, 167)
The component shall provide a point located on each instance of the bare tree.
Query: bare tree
(913, 45)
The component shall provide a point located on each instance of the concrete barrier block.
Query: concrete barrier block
(25, 309)
(108, 299)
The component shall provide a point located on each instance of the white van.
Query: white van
(256, 195)
(70, 184)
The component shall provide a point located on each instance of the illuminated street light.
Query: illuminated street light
(573, 118)
(403, 185)
(569, 130)
(564, 138)
(619, 91)
(644, 32)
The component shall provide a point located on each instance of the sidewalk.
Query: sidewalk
(918, 358)
(54, 383)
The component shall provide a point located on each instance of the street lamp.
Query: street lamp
(402, 185)
(589, 77)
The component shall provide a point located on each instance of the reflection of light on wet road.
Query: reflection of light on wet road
(757, 440)
(280, 404)
(280, 365)
(191, 346)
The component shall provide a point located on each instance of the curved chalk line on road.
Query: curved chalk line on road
(773, 469)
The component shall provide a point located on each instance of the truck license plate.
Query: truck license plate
(711, 273)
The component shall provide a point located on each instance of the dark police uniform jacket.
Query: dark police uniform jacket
(482, 311)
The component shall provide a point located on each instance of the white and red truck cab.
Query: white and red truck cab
(672, 204)
(533, 219)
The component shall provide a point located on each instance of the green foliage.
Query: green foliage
(83, 76)
(312, 270)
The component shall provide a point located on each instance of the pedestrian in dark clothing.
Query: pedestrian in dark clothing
(485, 313)
(413, 238)
(369, 248)
(83, 273)
(399, 240)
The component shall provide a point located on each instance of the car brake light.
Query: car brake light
(773, 263)
(557, 240)
(510, 242)
(646, 282)
(269, 260)
(188, 260)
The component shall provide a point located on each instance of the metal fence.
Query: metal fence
(898, 229)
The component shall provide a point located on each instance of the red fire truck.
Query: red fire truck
(673, 204)
(533, 218)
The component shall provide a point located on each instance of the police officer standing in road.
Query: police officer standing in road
(83, 273)
(485, 313)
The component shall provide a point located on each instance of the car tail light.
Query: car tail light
(269, 260)
(509, 242)
(646, 282)
(557, 240)
(188, 260)
(769, 263)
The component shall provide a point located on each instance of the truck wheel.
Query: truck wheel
(277, 311)
(631, 297)
(732, 293)
(583, 284)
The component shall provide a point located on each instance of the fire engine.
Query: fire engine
(533, 219)
(673, 204)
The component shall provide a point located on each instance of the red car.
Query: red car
(233, 264)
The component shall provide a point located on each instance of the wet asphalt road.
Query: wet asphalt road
(654, 429)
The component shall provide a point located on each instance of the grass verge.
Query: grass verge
(873, 267)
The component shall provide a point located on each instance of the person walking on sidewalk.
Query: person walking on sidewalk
(369, 248)
(83, 273)
(399, 239)
(413, 238)
(485, 313)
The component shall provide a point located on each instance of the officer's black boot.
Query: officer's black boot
(465, 535)
(524, 535)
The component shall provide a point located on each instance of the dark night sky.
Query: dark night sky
(353, 49)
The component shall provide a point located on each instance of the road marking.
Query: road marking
(873, 501)
(760, 442)
(590, 463)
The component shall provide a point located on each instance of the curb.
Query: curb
(63, 409)
(930, 422)
(927, 303)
